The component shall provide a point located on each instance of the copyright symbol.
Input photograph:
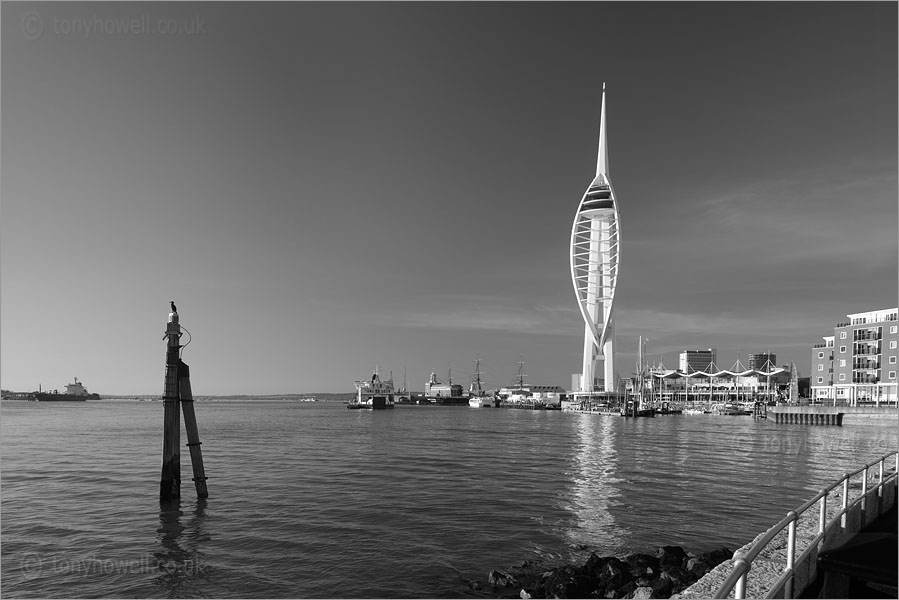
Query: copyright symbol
(169, 567)
(32, 25)
(30, 565)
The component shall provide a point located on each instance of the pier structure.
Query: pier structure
(594, 252)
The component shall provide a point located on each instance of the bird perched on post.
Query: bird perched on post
(174, 309)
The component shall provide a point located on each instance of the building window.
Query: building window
(842, 335)
(820, 367)
(893, 345)
(842, 362)
(820, 355)
(820, 380)
(842, 377)
(842, 348)
(892, 360)
(893, 329)
(892, 374)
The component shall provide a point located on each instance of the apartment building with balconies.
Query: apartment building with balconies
(858, 364)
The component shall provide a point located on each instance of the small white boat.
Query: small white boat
(480, 402)
(728, 409)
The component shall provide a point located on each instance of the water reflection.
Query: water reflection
(181, 564)
(595, 485)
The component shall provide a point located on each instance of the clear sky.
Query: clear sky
(324, 188)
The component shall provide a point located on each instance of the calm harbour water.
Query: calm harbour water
(313, 500)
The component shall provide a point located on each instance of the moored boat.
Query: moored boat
(373, 394)
(730, 409)
(478, 397)
(447, 394)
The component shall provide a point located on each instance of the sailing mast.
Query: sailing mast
(478, 373)
(476, 386)
(638, 401)
(521, 374)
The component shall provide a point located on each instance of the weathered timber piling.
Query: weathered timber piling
(190, 425)
(760, 410)
(178, 396)
(170, 481)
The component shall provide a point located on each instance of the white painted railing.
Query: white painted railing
(783, 587)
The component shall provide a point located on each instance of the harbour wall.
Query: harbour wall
(829, 415)
(765, 578)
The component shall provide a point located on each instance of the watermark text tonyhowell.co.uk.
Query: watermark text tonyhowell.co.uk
(34, 565)
(35, 25)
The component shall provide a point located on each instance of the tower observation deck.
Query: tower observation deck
(595, 243)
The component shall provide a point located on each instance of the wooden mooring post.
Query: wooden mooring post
(190, 425)
(178, 395)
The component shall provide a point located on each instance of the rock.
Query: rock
(667, 573)
(569, 582)
(593, 566)
(703, 563)
(663, 587)
(673, 574)
(642, 592)
(501, 579)
(671, 556)
(615, 573)
(642, 564)
(624, 591)
(696, 564)
(716, 557)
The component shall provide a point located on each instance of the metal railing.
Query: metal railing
(736, 580)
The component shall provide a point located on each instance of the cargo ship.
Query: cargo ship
(75, 392)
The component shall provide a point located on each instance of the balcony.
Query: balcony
(866, 334)
(872, 365)
(866, 352)
(865, 349)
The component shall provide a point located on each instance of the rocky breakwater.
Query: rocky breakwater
(660, 575)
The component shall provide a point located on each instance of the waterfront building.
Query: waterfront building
(758, 361)
(438, 389)
(718, 385)
(593, 260)
(697, 360)
(858, 364)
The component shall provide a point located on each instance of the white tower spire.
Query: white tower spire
(602, 154)
(594, 266)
